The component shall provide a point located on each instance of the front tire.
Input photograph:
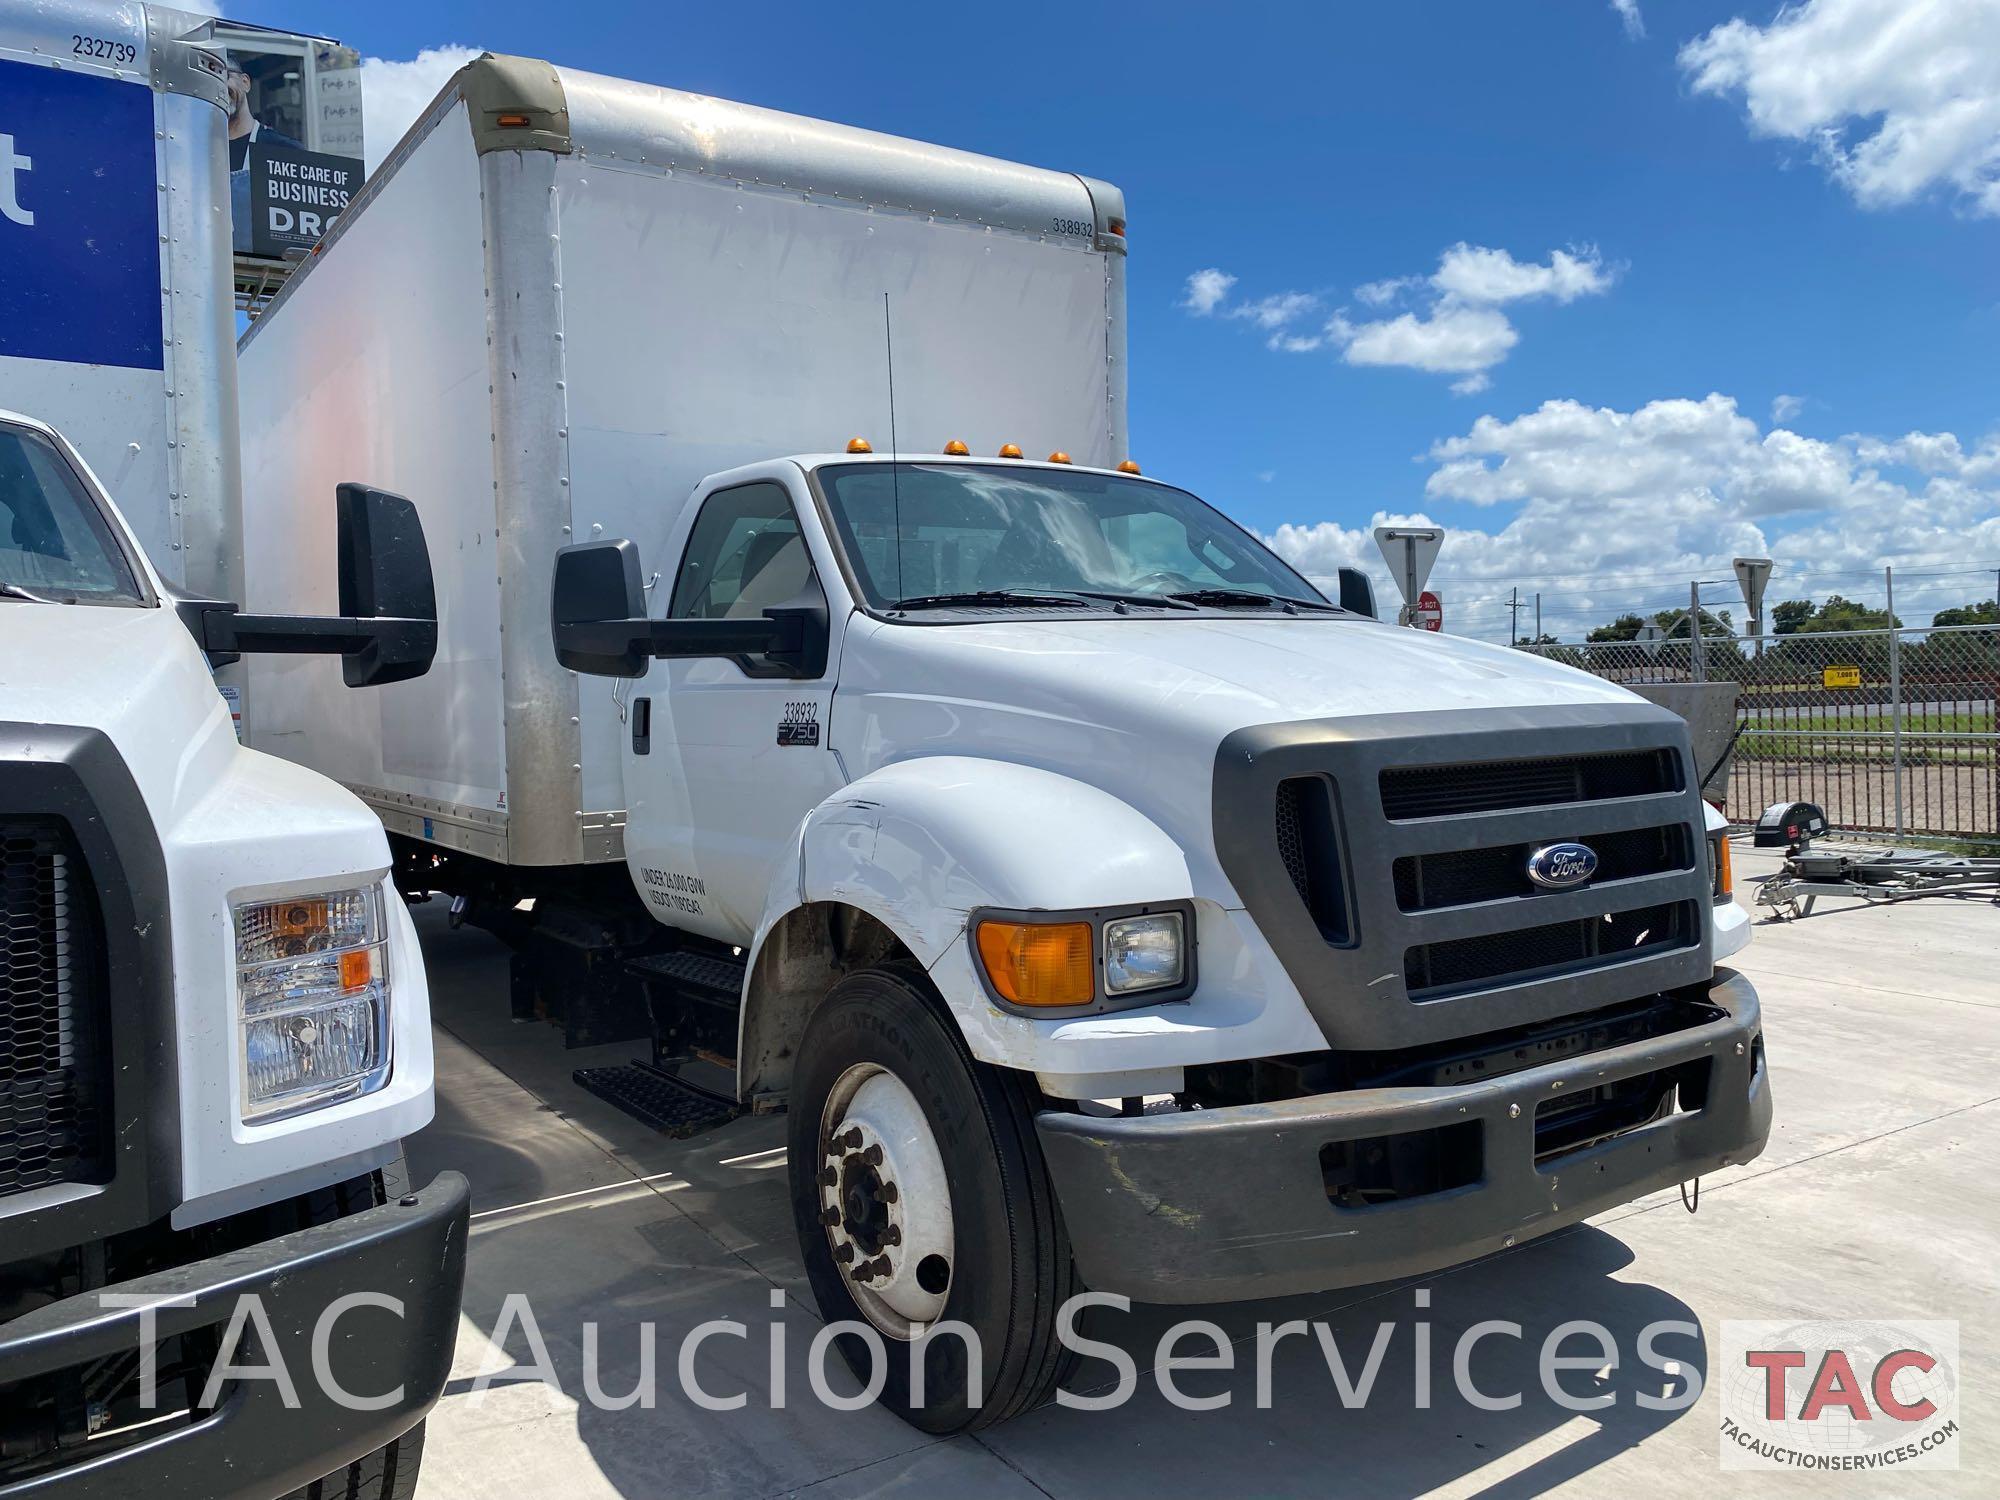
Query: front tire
(920, 1196)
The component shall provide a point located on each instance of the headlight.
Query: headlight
(1143, 953)
(312, 1000)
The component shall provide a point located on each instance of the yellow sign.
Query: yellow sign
(1840, 677)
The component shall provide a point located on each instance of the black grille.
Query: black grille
(1458, 877)
(1493, 786)
(54, 1060)
(1433, 969)
(1309, 844)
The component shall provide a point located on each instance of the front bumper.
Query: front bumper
(254, 1446)
(1221, 1204)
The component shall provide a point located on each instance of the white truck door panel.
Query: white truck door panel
(732, 760)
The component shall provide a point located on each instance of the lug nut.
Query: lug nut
(887, 1193)
(893, 1235)
(829, 1217)
(843, 1253)
(873, 1155)
(852, 1138)
(828, 1177)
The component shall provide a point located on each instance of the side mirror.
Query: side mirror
(598, 584)
(386, 630)
(385, 576)
(597, 614)
(1357, 594)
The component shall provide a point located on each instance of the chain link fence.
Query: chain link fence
(1891, 731)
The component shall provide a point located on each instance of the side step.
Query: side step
(671, 1105)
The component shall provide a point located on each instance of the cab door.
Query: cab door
(725, 756)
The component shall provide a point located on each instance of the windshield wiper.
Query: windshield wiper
(1224, 598)
(15, 591)
(1027, 598)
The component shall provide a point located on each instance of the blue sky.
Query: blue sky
(1754, 208)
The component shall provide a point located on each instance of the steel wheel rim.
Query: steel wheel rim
(885, 1201)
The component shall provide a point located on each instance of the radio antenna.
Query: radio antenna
(895, 485)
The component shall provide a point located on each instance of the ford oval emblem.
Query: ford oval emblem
(1561, 867)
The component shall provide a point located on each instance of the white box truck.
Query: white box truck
(214, 1022)
(1106, 906)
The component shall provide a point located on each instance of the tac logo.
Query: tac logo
(12, 165)
(1839, 1396)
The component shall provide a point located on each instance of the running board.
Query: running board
(669, 1104)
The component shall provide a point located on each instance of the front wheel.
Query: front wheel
(921, 1198)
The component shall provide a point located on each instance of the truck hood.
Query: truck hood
(136, 676)
(1139, 707)
(1209, 676)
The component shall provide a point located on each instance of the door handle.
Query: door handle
(642, 726)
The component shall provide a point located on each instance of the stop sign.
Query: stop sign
(1429, 613)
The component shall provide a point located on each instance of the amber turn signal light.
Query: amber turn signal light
(1039, 963)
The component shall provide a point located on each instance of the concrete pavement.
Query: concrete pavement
(1875, 1198)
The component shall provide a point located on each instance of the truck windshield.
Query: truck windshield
(935, 533)
(55, 544)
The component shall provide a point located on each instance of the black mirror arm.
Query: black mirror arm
(225, 633)
(783, 637)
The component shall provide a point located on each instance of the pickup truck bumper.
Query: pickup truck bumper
(254, 1446)
(1221, 1204)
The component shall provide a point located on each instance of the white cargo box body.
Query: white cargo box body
(116, 325)
(551, 331)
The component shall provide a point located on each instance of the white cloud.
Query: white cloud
(1276, 311)
(1896, 99)
(1606, 511)
(1628, 12)
(394, 94)
(1206, 290)
(1458, 330)
(1474, 273)
(1784, 408)
(1382, 293)
(1451, 340)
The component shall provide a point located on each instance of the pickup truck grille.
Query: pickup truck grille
(1491, 786)
(55, 1093)
(1386, 859)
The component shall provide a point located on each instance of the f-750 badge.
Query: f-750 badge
(800, 725)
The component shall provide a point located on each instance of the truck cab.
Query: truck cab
(214, 1028)
(1115, 906)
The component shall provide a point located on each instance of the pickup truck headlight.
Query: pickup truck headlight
(1143, 953)
(312, 998)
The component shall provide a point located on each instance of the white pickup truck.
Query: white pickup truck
(1107, 907)
(214, 1031)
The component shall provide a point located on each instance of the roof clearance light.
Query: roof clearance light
(957, 449)
(512, 121)
(1010, 450)
(859, 445)
(1129, 467)
(1115, 226)
(1058, 457)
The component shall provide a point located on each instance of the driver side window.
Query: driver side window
(745, 554)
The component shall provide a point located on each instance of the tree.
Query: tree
(1624, 628)
(1789, 617)
(1984, 613)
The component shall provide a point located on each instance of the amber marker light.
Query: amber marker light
(1058, 457)
(1128, 467)
(1010, 450)
(956, 449)
(1039, 963)
(859, 445)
